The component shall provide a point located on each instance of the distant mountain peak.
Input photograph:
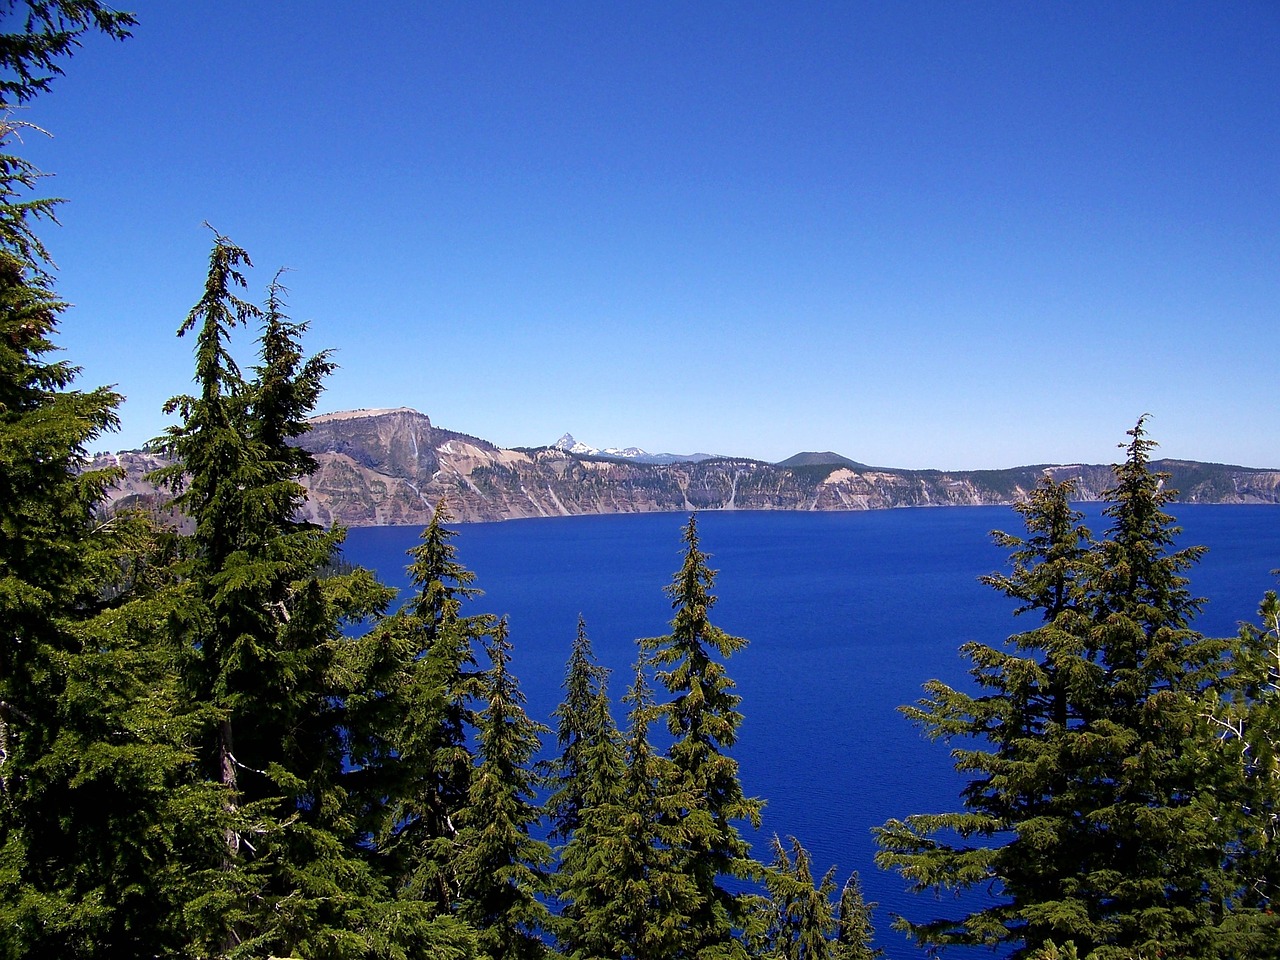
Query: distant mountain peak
(815, 459)
(569, 445)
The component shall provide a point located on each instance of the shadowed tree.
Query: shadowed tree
(91, 731)
(802, 918)
(626, 894)
(263, 625)
(420, 753)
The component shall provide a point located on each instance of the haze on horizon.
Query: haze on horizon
(918, 235)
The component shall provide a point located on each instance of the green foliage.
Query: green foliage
(703, 720)
(501, 868)
(51, 31)
(1091, 800)
(584, 728)
(93, 735)
(854, 932)
(803, 920)
(621, 877)
(299, 737)
(1244, 712)
(416, 753)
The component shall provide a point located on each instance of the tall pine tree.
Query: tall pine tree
(262, 624)
(703, 719)
(621, 876)
(91, 736)
(1087, 772)
(423, 730)
(502, 868)
(583, 728)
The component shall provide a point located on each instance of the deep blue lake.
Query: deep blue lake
(847, 615)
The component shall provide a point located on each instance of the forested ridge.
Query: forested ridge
(225, 742)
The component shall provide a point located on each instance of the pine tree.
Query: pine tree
(621, 876)
(583, 727)
(802, 919)
(586, 776)
(1159, 881)
(854, 932)
(91, 736)
(586, 791)
(1086, 789)
(51, 31)
(262, 626)
(1244, 711)
(800, 915)
(501, 867)
(1028, 709)
(420, 753)
(703, 720)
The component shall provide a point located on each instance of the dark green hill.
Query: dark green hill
(823, 459)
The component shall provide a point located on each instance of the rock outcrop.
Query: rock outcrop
(388, 467)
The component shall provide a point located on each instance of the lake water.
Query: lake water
(847, 615)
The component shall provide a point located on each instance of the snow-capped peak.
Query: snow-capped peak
(570, 445)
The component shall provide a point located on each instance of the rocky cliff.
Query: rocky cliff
(385, 467)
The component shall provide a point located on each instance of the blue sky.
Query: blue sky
(928, 234)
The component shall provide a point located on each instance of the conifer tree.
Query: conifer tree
(1086, 779)
(802, 919)
(91, 736)
(583, 727)
(1244, 712)
(422, 731)
(854, 932)
(621, 876)
(703, 719)
(1157, 881)
(800, 915)
(262, 625)
(501, 868)
(587, 775)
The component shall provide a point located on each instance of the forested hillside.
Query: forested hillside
(218, 740)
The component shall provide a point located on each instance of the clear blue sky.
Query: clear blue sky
(926, 234)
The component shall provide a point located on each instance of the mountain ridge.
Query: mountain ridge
(389, 466)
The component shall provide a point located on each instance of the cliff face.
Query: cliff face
(386, 467)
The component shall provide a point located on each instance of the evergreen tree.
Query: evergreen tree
(621, 875)
(703, 720)
(91, 735)
(1244, 711)
(800, 916)
(51, 31)
(586, 775)
(1089, 785)
(854, 932)
(1157, 880)
(421, 753)
(262, 626)
(1026, 714)
(286, 388)
(584, 726)
(802, 919)
(501, 867)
